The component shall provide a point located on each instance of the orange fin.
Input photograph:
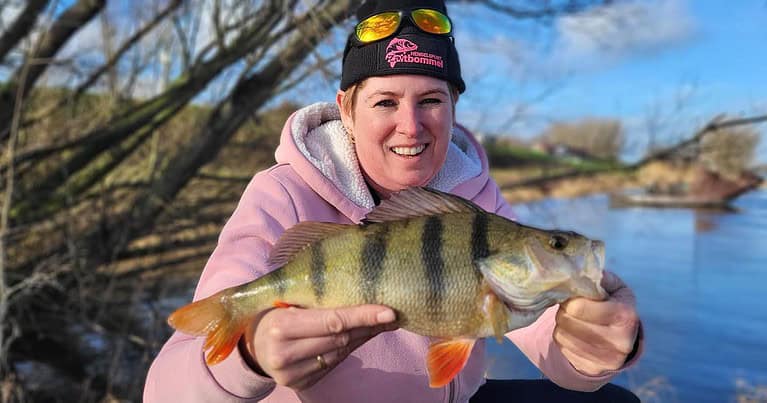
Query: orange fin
(210, 317)
(282, 304)
(446, 359)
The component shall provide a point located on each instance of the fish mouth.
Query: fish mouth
(598, 252)
(411, 151)
(596, 271)
(588, 283)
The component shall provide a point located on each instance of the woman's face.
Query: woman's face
(401, 125)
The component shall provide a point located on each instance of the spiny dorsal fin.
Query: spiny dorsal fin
(299, 236)
(419, 202)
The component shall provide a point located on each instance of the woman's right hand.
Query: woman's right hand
(287, 343)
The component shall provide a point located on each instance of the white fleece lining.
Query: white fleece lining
(319, 135)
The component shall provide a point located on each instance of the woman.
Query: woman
(392, 127)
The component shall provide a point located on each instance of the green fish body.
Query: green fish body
(449, 269)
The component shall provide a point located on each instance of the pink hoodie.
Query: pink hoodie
(317, 179)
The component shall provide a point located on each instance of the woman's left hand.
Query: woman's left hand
(598, 336)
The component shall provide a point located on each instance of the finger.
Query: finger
(307, 381)
(289, 353)
(582, 355)
(303, 323)
(306, 372)
(579, 353)
(612, 312)
(611, 282)
(599, 340)
(617, 288)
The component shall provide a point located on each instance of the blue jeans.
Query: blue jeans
(543, 390)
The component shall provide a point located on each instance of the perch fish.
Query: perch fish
(449, 269)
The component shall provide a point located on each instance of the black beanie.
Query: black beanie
(408, 51)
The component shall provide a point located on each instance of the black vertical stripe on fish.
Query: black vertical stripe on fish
(431, 256)
(373, 255)
(318, 271)
(479, 243)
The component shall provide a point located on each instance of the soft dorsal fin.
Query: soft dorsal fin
(418, 202)
(297, 237)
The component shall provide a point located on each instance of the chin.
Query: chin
(418, 181)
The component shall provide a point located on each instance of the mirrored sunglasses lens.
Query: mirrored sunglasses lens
(432, 21)
(377, 27)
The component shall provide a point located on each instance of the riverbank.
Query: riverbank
(656, 174)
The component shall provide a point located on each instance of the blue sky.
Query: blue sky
(672, 63)
(675, 62)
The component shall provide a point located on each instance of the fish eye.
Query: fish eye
(558, 242)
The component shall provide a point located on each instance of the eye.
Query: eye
(558, 242)
(385, 103)
(431, 101)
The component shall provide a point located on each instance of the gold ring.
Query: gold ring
(321, 362)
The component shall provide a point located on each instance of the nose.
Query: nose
(408, 120)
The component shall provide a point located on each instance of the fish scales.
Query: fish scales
(424, 271)
(428, 277)
(450, 270)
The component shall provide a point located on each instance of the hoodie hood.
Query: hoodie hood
(314, 143)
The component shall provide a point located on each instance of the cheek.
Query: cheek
(442, 130)
(371, 134)
(441, 122)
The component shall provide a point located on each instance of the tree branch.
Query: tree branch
(715, 124)
(65, 26)
(21, 26)
(544, 12)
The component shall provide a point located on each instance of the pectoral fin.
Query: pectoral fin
(283, 304)
(446, 358)
(496, 313)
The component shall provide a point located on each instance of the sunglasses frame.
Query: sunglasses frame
(402, 14)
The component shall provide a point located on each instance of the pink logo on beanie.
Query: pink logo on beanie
(405, 51)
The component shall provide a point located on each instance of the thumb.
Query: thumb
(611, 282)
(617, 288)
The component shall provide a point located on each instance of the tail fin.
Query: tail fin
(211, 317)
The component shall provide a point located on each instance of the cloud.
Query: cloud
(589, 41)
(623, 29)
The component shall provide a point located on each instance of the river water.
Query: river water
(700, 278)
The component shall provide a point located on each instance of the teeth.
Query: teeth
(409, 150)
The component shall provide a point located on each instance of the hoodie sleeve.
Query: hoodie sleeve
(537, 341)
(179, 372)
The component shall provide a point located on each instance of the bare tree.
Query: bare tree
(595, 138)
(729, 151)
(65, 26)
(99, 200)
(21, 26)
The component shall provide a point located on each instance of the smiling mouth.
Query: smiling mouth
(409, 151)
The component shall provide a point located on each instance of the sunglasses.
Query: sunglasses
(383, 25)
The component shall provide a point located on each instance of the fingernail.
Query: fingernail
(385, 316)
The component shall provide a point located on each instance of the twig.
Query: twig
(5, 214)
